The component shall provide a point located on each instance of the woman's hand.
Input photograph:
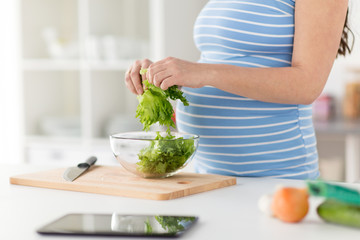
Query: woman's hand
(173, 71)
(133, 78)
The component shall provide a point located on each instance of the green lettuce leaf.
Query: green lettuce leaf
(165, 154)
(154, 105)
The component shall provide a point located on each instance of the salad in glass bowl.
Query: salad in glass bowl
(154, 154)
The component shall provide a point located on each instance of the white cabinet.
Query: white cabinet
(74, 57)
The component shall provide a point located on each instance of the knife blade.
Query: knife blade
(72, 173)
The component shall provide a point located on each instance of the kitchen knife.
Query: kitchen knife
(72, 173)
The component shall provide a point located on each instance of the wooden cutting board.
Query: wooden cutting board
(112, 180)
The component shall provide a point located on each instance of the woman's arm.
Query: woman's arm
(318, 29)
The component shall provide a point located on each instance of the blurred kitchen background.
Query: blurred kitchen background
(62, 66)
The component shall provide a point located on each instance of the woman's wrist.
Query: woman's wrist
(209, 74)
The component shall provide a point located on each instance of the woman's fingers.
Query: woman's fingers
(159, 77)
(173, 71)
(145, 64)
(128, 82)
(155, 72)
(158, 66)
(151, 71)
(133, 79)
(167, 82)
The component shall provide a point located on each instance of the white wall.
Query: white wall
(178, 24)
(10, 127)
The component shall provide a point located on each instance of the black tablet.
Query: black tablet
(119, 225)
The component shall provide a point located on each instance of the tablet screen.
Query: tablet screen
(119, 224)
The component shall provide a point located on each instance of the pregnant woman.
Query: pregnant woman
(263, 62)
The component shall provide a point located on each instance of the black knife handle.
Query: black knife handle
(88, 163)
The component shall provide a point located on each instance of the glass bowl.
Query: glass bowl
(143, 154)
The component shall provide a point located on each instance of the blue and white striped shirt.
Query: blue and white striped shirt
(241, 136)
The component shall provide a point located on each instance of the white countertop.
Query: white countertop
(227, 213)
